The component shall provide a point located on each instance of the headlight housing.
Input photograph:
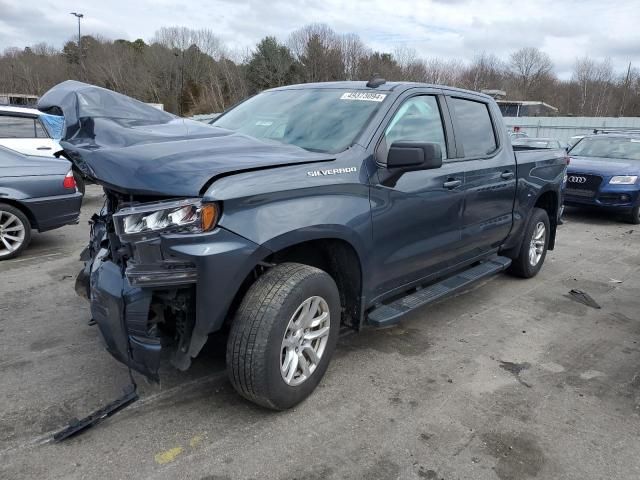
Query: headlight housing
(179, 216)
(623, 180)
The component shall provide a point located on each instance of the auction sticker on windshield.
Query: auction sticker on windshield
(366, 96)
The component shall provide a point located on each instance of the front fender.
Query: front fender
(282, 207)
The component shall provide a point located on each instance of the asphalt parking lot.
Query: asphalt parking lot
(511, 380)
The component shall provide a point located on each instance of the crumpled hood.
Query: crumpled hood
(603, 166)
(135, 148)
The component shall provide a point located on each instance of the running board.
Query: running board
(389, 314)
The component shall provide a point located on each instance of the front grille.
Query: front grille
(578, 192)
(582, 185)
(583, 182)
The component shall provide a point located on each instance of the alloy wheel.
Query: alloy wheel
(12, 233)
(305, 340)
(538, 240)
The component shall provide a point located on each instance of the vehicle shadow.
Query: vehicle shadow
(593, 216)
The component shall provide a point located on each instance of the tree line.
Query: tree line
(192, 71)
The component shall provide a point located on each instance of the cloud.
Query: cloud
(445, 28)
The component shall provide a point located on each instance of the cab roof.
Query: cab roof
(396, 87)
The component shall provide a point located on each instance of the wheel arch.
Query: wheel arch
(20, 206)
(549, 202)
(334, 254)
(340, 260)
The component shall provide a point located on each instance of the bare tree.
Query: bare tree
(486, 71)
(353, 50)
(593, 80)
(319, 50)
(443, 72)
(529, 66)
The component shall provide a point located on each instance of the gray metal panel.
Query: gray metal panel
(563, 128)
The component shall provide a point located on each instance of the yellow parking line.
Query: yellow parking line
(169, 455)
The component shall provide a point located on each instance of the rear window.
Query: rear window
(476, 129)
(17, 127)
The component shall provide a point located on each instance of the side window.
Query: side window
(476, 130)
(16, 127)
(40, 131)
(418, 120)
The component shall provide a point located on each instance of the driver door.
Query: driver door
(416, 215)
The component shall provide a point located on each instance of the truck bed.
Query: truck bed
(534, 155)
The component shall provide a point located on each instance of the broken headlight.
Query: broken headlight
(180, 216)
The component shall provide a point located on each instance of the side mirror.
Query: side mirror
(414, 156)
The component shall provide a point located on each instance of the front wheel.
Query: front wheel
(534, 246)
(634, 216)
(283, 335)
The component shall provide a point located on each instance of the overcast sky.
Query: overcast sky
(565, 29)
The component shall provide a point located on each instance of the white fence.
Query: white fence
(563, 128)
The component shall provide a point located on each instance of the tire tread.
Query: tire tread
(249, 332)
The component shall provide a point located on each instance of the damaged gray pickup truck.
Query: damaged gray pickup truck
(300, 212)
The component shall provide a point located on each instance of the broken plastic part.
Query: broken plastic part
(583, 297)
(76, 426)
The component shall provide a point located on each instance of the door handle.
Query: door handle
(507, 175)
(43, 148)
(452, 183)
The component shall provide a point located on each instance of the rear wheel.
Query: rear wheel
(15, 231)
(534, 246)
(283, 335)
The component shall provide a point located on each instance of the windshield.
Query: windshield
(608, 147)
(319, 120)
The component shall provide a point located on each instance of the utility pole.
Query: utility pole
(79, 16)
(624, 92)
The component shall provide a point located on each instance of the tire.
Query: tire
(80, 183)
(634, 216)
(524, 266)
(256, 351)
(15, 231)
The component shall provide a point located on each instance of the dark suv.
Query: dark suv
(301, 211)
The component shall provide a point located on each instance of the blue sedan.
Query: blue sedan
(603, 172)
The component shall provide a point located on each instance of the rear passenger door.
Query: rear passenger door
(27, 135)
(489, 178)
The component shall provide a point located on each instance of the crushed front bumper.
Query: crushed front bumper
(210, 267)
(121, 312)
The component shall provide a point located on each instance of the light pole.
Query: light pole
(78, 16)
(181, 82)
